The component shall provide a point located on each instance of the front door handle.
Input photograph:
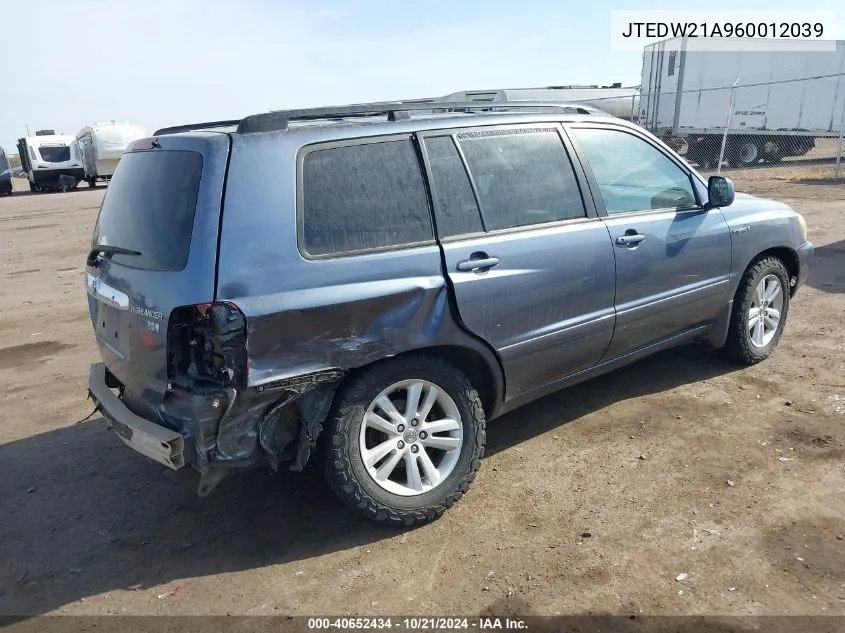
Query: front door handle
(479, 264)
(629, 239)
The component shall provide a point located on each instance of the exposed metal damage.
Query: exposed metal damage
(246, 388)
(227, 424)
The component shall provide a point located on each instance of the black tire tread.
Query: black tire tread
(337, 464)
(738, 347)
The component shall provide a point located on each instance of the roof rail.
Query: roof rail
(395, 111)
(195, 126)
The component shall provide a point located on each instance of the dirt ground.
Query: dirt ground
(594, 499)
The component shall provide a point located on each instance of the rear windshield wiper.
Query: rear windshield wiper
(106, 251)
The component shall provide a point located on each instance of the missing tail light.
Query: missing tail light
(206, 347)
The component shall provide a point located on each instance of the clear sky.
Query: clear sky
(71, 63)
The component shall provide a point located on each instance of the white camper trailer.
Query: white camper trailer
(102, 146)
(50, 161)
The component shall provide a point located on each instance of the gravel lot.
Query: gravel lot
(594, 499)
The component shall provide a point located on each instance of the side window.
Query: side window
(523, 177)
(632, 174)
(364, 197)
(455, 205)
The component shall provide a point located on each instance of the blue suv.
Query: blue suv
(371, 284)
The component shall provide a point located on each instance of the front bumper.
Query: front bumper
(156, 442)
(806, 252)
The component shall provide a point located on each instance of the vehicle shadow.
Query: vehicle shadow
(655, 374)
(82, 515)
(828, 268)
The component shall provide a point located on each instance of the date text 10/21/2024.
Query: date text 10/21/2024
(418, 624)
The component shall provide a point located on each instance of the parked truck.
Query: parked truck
(102, 145)
(784, 100)
(5, 174)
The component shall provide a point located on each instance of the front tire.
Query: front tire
(761, 305)
(405, 440)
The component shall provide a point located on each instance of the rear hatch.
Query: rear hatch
(154, 249)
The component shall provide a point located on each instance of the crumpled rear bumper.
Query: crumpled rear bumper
(156, 442)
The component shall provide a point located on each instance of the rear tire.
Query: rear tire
(92, 182)
(761, 305)
(746, 153)
(393, 467)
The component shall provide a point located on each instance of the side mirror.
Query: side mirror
(720, 191)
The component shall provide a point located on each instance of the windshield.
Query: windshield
(149, 208)
(54, 153)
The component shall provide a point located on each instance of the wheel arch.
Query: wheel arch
(483, 372)
(790, 260)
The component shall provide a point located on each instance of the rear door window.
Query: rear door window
(363, 197)
(455, 204)
(523, 177)
(149, 207)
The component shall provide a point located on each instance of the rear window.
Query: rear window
(54, 154)
(361, 198)
(149, 207)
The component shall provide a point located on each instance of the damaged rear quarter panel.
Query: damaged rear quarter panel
(341, 326)
(305, 315)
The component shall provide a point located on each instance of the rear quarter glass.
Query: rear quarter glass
(149, 207)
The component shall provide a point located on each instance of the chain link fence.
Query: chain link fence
(788, 129)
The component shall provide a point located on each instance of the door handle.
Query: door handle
(629, 239)
(477, 265)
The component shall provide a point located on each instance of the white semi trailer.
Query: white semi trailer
(784, 100)
(102, 145)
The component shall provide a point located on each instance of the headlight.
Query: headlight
(803, 224)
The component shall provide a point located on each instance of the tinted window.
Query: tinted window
(58, 154)
(632, 174)
(522, 178)
(455, 205)
(364, 197)
(149, 207)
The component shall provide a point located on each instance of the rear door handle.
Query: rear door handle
(629, 239)
(478, 265)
